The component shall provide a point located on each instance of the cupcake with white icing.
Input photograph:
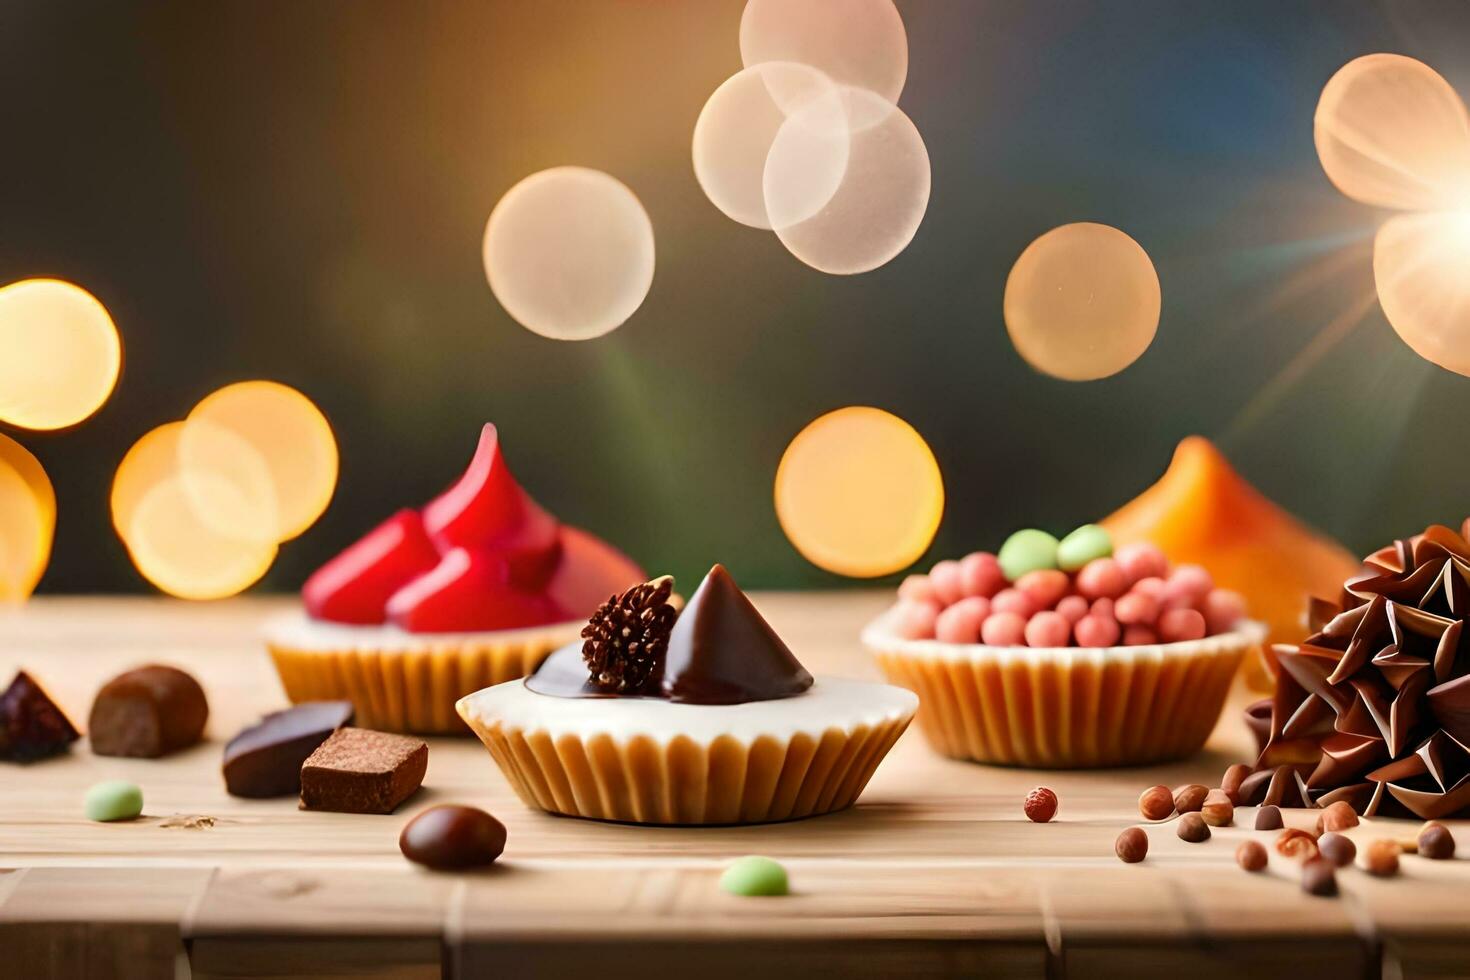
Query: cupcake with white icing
(699, 717)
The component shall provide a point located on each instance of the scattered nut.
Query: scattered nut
(1040, 805)
(1188, 799)
(1294, 843)
(1217, 810)
(1230, 782)
(1339, 816)
(1131, 845)
(1251, 856)
(1436, 842)
(1156, 803)
(1268, 817)
(1336, 848)
(1383, 857)
(1192, 828)
(1319, 877)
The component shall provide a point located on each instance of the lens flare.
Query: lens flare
(569, 253)
(281, 488)
(884, 192)
(182, 555)
(859, 493)
(1082, 302)
(855, 42)
(59, 354)
(735, 130)
(1421, 265)
(1391, 132)
(27, 521)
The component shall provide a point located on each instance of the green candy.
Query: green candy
(754, 876)
(113, 799)
(1083, 545)
(1027, 551)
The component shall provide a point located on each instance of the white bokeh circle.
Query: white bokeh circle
(569, 253)
(861, 43)
(1421, 266)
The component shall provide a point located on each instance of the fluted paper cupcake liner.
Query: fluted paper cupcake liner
(408, 685)
(682, 781)
(1065, 708)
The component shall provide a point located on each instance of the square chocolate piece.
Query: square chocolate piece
(362, 771)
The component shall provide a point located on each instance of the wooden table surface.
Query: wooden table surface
(935, 872)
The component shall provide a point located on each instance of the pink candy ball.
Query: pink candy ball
(1048, 629)
(915, 619)
(1223, 609)
(1141, 560)
(960, 623)
(1139, 636)
(1101, 578)
(1188, 585)
(1177, 625)
(1095, 631)
(1004, 629)
(917, 587)
(1136, 609)
(1044, 587)
(1073, 607)
(980, 575)
(1012, 601)
(1151, 586)
(945, 576)
(1103, 608)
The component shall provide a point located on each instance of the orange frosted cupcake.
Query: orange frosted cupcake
(699, 717)
(474, 589)
(1061, 654)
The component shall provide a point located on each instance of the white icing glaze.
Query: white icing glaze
(299, 631)
(831, 702)
(881, 637)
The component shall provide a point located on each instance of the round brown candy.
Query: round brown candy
(451, 837)
(1131, 845)
(1268, 817)
(1436, 842)
(1319, 877)
(1251, 856)
(1338, 849)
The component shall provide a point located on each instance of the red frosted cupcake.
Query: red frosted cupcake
(474, 589)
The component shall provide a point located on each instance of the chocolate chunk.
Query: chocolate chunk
(361, 771)
(1319, 877)
(31, 725)
(449, 837)
(147, 712)
(265, 759)
(1268, 817)
(722, 651)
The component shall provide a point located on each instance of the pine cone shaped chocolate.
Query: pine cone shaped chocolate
(1374, 707)
(627, 637)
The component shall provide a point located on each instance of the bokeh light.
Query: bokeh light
(294, 461)
(735, 130)
(1082, 302)
(569, 253)
(884, 192)
(183, 555)
(59, 354)
(859, 493)
(855, 42)
(1421, 265)
(27, 521)
(1391, 132)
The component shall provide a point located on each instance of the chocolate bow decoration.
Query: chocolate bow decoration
(1374, 707)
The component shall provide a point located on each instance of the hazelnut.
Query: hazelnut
(1188, 799)
(1230, 782)
(1131, 845)
(1192, 828)
(1268, 817)
(1338, 849)
(1294, 843)
(1436, 842)
(1339, 816)
(1218, 811)
(1156, 803)
(1251, 856)
(1319, 877)
(1040, 805)
(1383, 857)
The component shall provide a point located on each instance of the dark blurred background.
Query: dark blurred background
(297, 190)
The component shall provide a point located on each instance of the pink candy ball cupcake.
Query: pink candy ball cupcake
(1062, 654)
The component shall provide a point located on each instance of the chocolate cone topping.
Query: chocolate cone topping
(723, 652)
(1374, 707)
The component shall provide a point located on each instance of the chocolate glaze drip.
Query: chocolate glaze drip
(1374, 707)
(721, 651)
